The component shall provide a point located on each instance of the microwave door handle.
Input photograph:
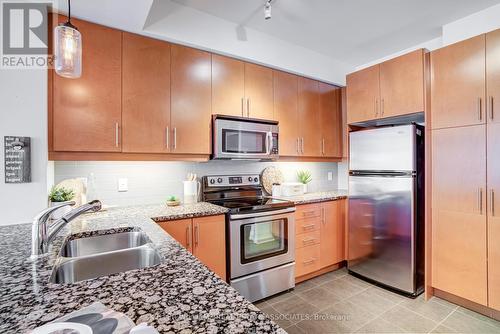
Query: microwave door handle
(269, 142)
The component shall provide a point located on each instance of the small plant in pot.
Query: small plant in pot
(60, 195)
(304, 177)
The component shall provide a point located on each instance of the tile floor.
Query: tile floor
(340, 303)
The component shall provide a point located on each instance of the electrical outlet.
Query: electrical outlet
(330, 176)
(122, 184)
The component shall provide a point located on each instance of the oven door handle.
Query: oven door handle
(262, 214)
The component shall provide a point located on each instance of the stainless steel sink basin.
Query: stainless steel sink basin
(71, 270)
(103, 243)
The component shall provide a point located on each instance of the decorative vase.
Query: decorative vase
(304, 185)
(59, 213)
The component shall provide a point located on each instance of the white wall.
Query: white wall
(153, 182)
(23, 112)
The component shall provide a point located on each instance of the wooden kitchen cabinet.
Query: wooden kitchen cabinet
(210, 243)
(493, 76)
(180, 230)
(458, 84)
(459, 264)
(205, 237)
(402, 85)
(145, 94)
(493, 163)
(286, 112)
(332, 233)
(228, 86)
(330, 120)
(86, 112)
(191, 90)
(363, 92)
(309, 117)
(259, 91)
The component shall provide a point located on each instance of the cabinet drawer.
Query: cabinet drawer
(308, 211)
(307, 239)
(307, 225)
(307, 260)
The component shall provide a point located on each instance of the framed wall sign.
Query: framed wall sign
(17, 159)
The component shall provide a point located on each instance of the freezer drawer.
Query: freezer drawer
(382, 230)
(383, 149)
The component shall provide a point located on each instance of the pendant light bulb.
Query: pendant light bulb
(267, 10)
(68, 49)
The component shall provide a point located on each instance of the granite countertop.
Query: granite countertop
(315, 197)
(178, 296)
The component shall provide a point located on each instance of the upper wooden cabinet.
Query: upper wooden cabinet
(402, 85)
(363, 94)
(191, 112)
(309, 117)
(145, 94)
(458, 84)
(286, 112)
(86, 112)
(493, 76)
(331, 120)
(259, 91)
(228, 86)
(392, 88)
(459, 248)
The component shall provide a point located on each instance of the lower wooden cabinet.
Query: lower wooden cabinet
(319, 240)
(204, 237)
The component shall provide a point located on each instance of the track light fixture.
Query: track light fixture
(267, 10)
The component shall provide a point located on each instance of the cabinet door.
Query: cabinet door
(191, 113)
(259, 91)
(494, 215)
(458, 84)
(493, 75)
(146, 94)
(87, 111)
(210, 243)
(180, 230)
(363, 95)
(402, 85)
(309, 119)
(330, 120)
(458, 212)
(332, 234)
(286, 112)
(228, 86)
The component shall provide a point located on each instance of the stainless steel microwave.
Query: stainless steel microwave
(244, 138)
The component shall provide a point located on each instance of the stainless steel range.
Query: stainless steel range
(260, 234)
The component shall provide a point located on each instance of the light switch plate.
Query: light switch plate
(330, 176)
(123, 184)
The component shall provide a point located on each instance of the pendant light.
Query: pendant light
(68, 49)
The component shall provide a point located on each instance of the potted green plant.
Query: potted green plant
(173, 201)
(57, 196)
(304, 177)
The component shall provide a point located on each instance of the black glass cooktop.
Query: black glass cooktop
(253, 204)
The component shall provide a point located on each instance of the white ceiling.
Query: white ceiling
(351, 31)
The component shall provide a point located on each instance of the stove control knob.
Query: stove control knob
(256, 180)
(219, 180)
(250, 179)
(212, 181)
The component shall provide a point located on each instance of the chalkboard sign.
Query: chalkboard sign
(17, 159)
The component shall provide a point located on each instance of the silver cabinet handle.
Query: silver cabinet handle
(117, 135)
(480, 108)
(196, 235)
(382, 107)
(308, 227)
(309, 261)
(480, 200)
(242, 106)
(188, 237)
(323, 146)
(376, 107)
(492, 115)
(309, 241)
(175, 139)
(302, 145)
(492, 202)
(298, 145)
(248, 107)
(167, 139)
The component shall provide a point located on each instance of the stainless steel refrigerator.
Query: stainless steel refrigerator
(386, 207)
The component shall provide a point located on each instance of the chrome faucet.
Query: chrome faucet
(42, 234)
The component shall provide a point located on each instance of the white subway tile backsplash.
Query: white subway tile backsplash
(152, 182)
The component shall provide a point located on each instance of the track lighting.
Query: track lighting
(267, 10)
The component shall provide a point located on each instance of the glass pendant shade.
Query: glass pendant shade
(67, 51)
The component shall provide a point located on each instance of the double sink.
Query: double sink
(102, 255)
